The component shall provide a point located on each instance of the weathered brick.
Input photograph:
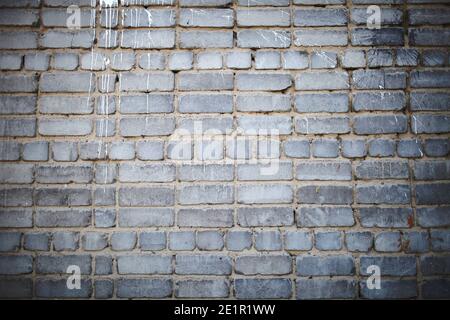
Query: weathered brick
(144, 264)
(141, 217)
(324, 170)
(263, 264)
(263, 39)
(325, 217)
(263, 288)
(202, 288)
(318, 38)
(389, 265)
(144, 288)
(325, 289)
(203, 264)
(331, 265)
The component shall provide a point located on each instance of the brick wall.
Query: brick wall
(219, 148)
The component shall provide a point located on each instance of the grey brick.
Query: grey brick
(325, 148)
(214, 288)
(206, 194)
(66, 105)
(148, 18)
(63, 217)
(10, 150)
(407, 57)
(146, 173)
(323, 60)
(144, 288)
(298, 240)
(389, 16)
(353, 59)
(263, 39)
(18, 40)
(19, 17)
(37, 61)
(256, 172)
(325, 289)
(16, 218)
(64, 151)
(318, 38)
(381, 148)
(296, 148)
(103, 265)
(17, 104)
(65, 241)
(122, 61)
(380, 124)
(433, 217)
(391, 289)
(210, 240)
(263, 81)
(146, 196)
(329, 240)
(377, 37)
(383, 101)
(437, 147)
(383, 194)
(144, 264)
(123, 241)
(10, 61)
(17, 264)
(205, 103)
(436, 289)
(202, 81)
(63, 127)
(209, 60)
(152, 61)
(51, 288)
(205, 218)
(325, 194)
(16, 288)
(263, 288)
(295, 60)
(238, 60)
(10, 83)
(203, 264)
(263, 17)
(427, 123)
(415, 242)
(353, 148)
(430, 79)
(105, 218)
(429, 37)
(324, 170)
(103, 289)
(146, 82)
(64, 174)
(260, 217)
(150, 150)
(330, 265)
(433, 57)
(182, 60)
(430, 101)
(431, 265)
(320, 17)
(147, 126)
(432, 193)
(390, 265)
(409, 149)
(148, 39)
(268, 241)
(322, 80)
(10, 241)
(212, 18)
(359, 241)
(252, 3)
(47, 264)
(321, 102)
(388, 242)
(153, 240)
(383, 169)
(182, 240)
(37, 241)
(105, 173)
(83, 39)
(267, 60)
(273, 264)
(238, 240)
(264, 193)
(16, 173)
(94, 241)
(15, 197)
(379, 79)
(65, 61)
(206, 172)
(150, 217)
(440, 240)
(386, 217)
(205, 39)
